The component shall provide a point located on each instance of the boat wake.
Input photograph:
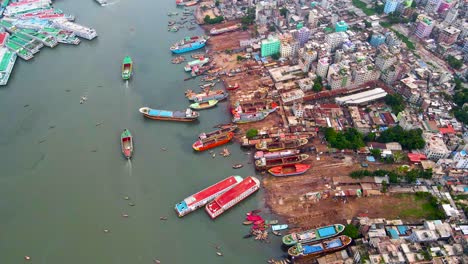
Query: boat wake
(130, 171)
(111, 3)
(126, 84)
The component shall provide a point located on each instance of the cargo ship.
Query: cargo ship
(62, 36)
(205, 98)
(312, 235)
(222, 130)
(79, 30)
(289, 170)
(217, 31)
(280, 145)
(26, 42)
(180, 116)
(198, 62)
(186, 3)
(325, 247)
(211, 142)
(206, 195)
(20, 51)
(263, 163)
(189, 44)
(253, 111)
(7, 62)
(232, 197)
(272, 136)
(48, 40)
(277, 154)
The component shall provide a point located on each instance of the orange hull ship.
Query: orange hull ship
(212, 142)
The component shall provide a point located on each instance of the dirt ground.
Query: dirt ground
(226, 41)
(287, 196)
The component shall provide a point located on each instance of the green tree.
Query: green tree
(370, 137)
(377, 153)
(352, 231)
(284, 12)
(251, 133)
(454, 63)
(317, 87)
(395, 101)
(413, 4)
(240, 58)
(272, 28)
(409, 139)
(398, 156)
(217, 3)
(384, 186)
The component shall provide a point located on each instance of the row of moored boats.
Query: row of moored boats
(28, 25)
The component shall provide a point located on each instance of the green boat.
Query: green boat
(126, 142)
(204, 105)
(127, 67)
(313, 235)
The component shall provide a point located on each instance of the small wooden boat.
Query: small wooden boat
(180, 116)
(248, 236)
(237, 166)
(254, 212)
(247, 222)
(232, 87)
(204, 105)
(126, 141)
(276, 233)
(289, 170)
(279, 227)
(127, 68)
(271, 222)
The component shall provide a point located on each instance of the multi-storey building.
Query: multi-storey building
(391, 39)
(322, 67)
(302, 35)
(435, 147)
(270, 46)
(341, 26)
(377, 39)
(391, 6)
(384, 60)
(449, 35)
(313, 18)
(336, 39)
(451, 16)
(432, 6)
(424, 25)
(461, 160)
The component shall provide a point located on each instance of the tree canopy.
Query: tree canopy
(349, 139)
(395, 101)
(251, 133)
(454, 63)
(215, 20)
(409, 139)
(352, 231)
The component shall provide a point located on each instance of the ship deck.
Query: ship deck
(211, 190)
(235, 192)
(6, 57)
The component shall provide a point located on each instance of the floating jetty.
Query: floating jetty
(28, 25)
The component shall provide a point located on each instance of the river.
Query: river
(63, 179)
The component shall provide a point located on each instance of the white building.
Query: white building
(335, 40)
(461, 160)
(298, 110)
(290, 97)
(361, 98)
(435, 147)
(313, 18)
(322, 67)
(423, 236)
(305, 84)
(432, 6)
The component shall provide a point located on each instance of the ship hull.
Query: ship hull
(178, 119)
(344, 241)
(187, 49)
(206, 195)
(291, 239)
(214, 145)
(279, 171)
(233, 200)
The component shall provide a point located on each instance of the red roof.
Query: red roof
(447, 130)
(3, 37)
(416, 157)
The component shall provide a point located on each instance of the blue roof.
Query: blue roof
(326, 231)
(465, 189)
(370, 158)
(393, 233)
(402, 229)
